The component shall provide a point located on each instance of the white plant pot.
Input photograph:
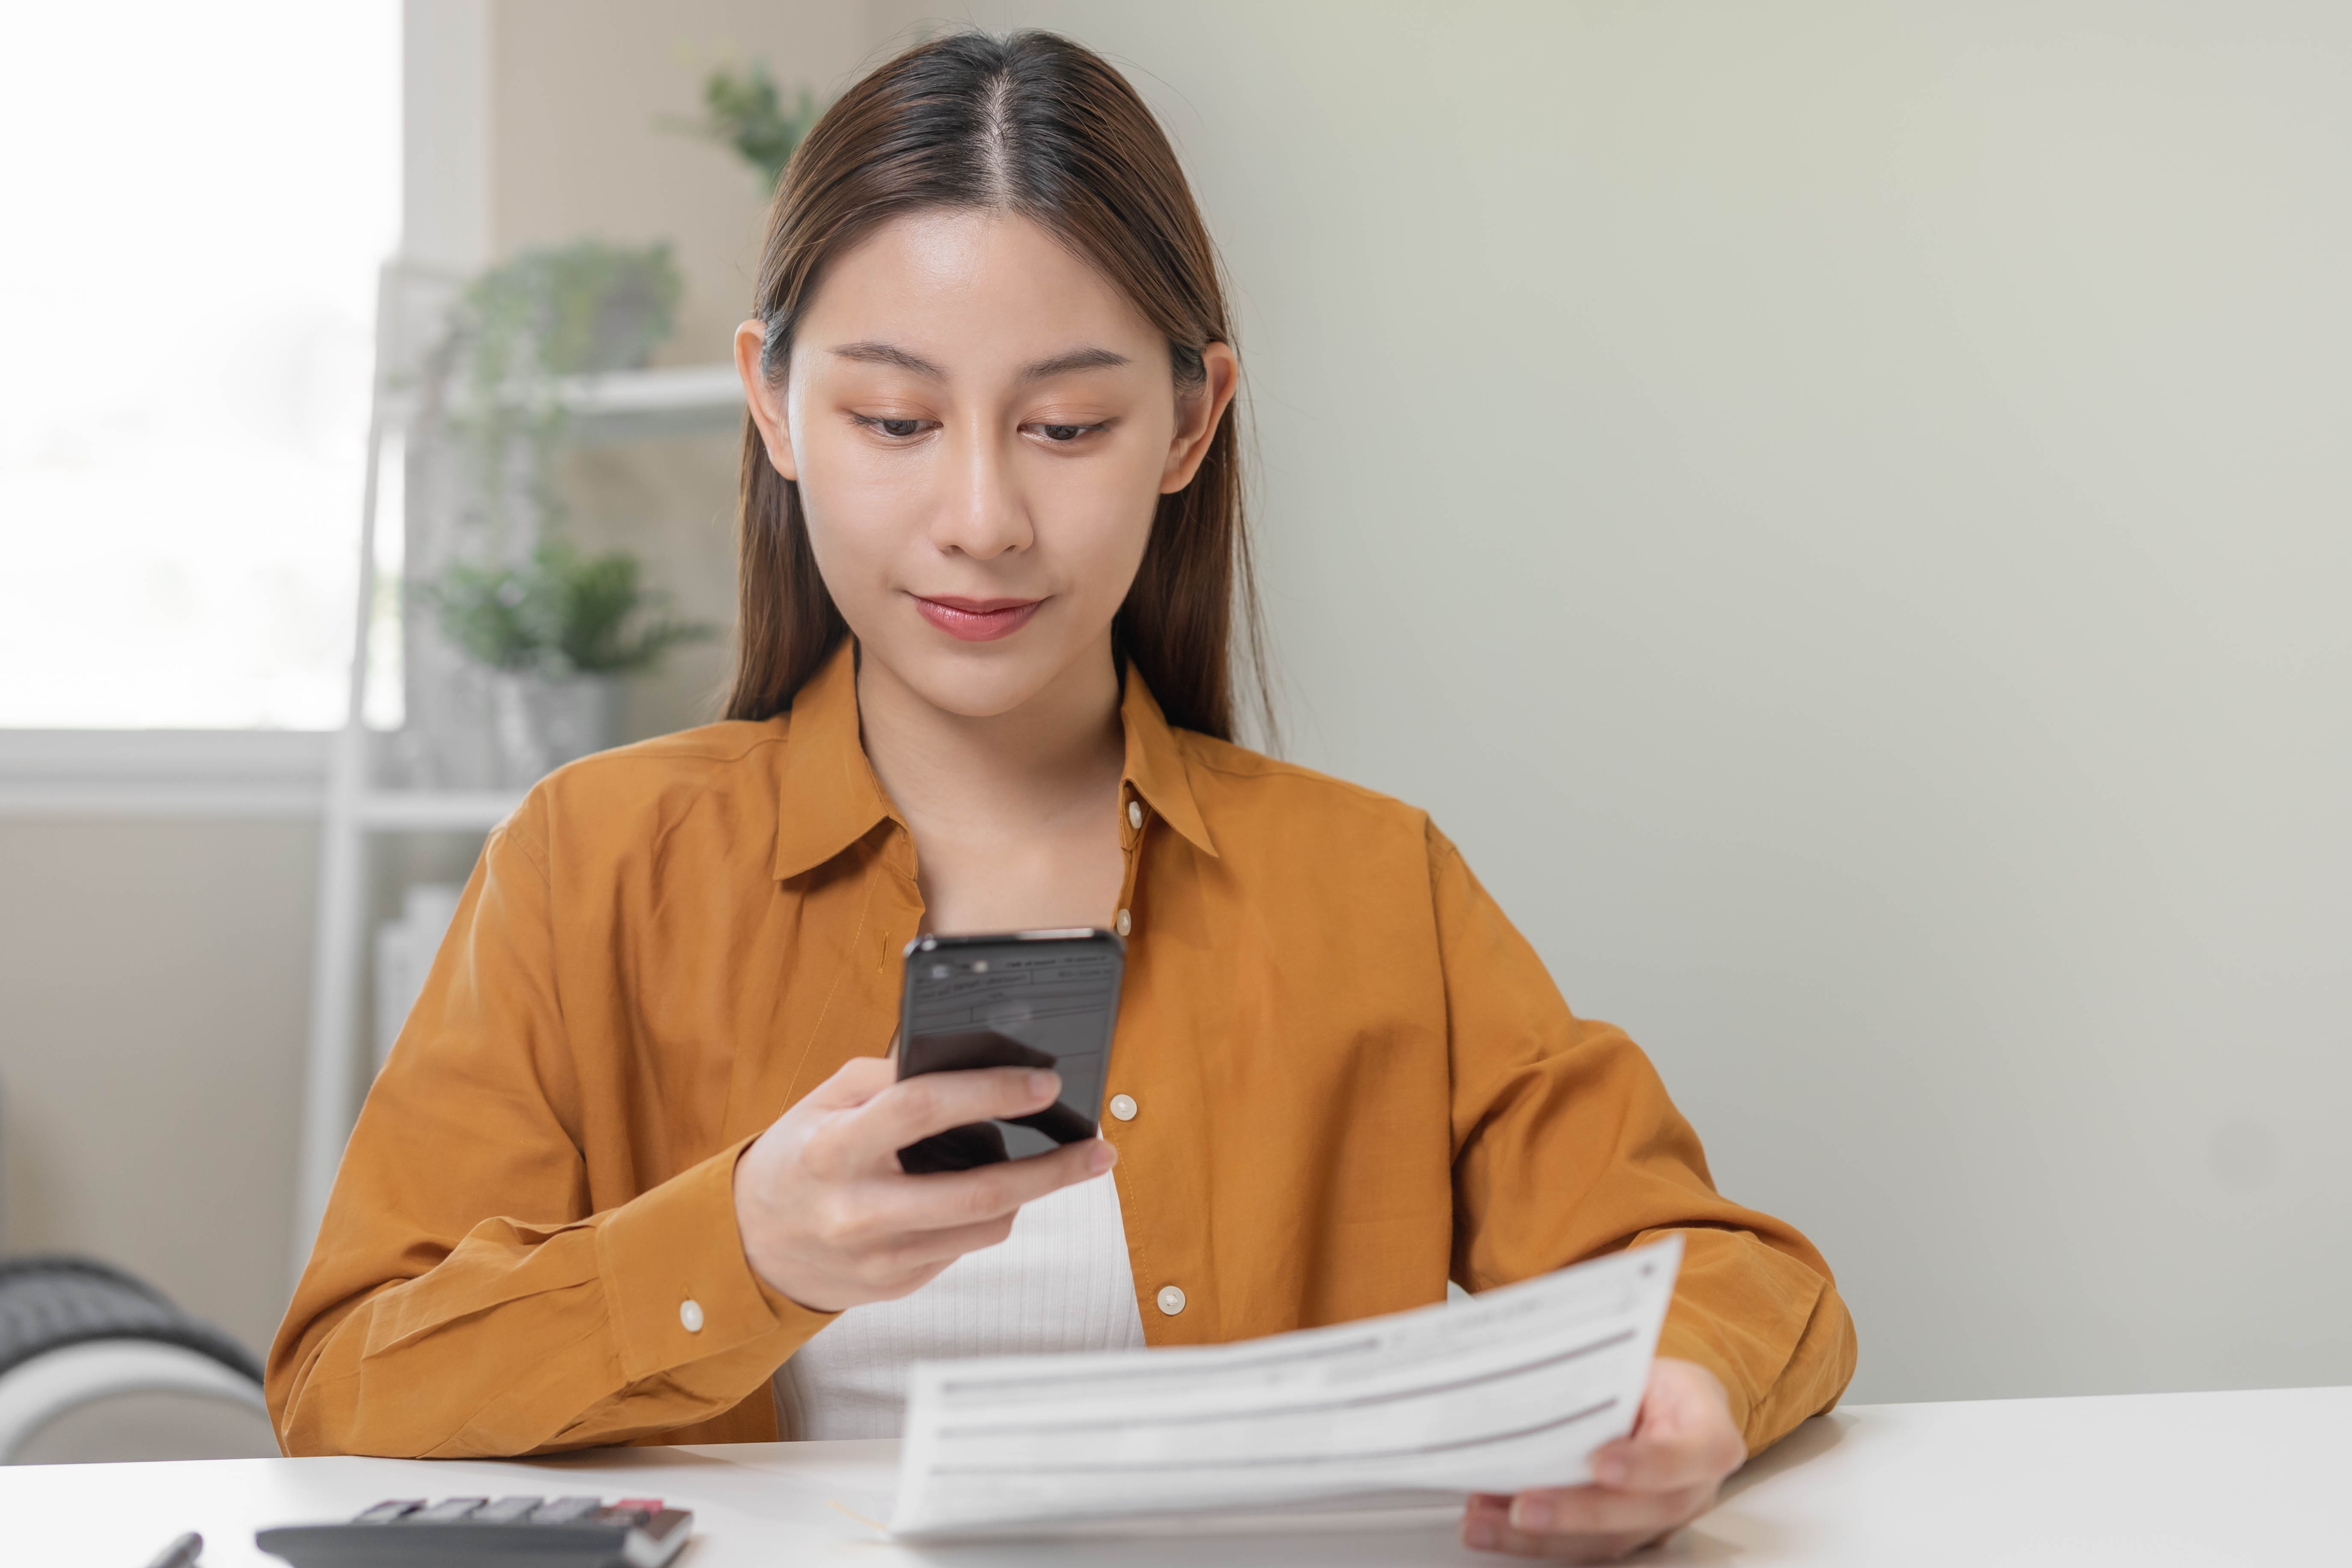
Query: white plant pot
(539, 724)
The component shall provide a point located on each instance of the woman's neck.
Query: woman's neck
(1046, 767)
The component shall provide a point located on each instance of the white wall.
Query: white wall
(155, 974)
(1835, 506)
(1841, 508)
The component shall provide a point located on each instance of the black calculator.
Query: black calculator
(475, 1533)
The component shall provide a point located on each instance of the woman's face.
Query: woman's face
(981, 427)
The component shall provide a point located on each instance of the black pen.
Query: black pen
(181, 1553)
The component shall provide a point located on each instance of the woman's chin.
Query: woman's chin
(973, 679)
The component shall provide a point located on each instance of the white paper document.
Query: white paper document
(1514, 1388)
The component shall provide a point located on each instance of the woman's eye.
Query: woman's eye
(1065, 433)
(901, 428)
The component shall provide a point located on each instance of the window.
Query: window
(199, 199)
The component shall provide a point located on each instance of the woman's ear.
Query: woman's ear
(765, 402)
(1198, 410)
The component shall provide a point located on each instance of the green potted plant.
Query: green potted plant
(557, 637)
(516, 333)
(553, 629)
(743, 111)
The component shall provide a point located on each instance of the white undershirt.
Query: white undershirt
(1061, 1282)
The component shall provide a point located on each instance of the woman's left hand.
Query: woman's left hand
(1644, 1486)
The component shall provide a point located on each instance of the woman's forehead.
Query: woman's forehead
(971, 289)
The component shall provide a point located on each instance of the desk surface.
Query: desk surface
(2152, 1481)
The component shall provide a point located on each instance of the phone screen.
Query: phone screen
(1023, 999)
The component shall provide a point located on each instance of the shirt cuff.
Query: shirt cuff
(678, 1288)
(1687, 1340)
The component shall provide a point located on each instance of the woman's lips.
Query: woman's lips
(978, 620)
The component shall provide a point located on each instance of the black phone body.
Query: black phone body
(1037, 998)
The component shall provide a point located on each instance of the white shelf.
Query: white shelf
(619, 405)
(428, 811)
(636, 404)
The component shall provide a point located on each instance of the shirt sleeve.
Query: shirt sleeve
(462, 1300)
(1566, 1147)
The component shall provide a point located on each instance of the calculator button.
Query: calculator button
(506, 1510)
(385, 1512)
(565, 1510)
(448, 1510)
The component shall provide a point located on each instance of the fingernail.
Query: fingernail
(1531, 1514)
(1043, 1085)
(1609, 1471)
(1481, 1535)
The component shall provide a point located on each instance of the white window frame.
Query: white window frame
(446, 221)
(163, 773)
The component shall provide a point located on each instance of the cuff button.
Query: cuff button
(689, 1312)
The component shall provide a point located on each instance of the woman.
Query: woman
(630, 1173)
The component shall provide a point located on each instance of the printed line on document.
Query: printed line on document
(1262, 1461)
(1177, 1362)
(1275, 1413)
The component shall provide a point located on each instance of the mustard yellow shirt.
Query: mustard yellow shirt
(1354, 1080)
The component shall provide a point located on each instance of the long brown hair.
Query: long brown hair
(1033, 124)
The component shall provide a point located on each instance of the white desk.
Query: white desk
(2156, 1481)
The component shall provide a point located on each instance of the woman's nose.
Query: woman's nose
(981, 512)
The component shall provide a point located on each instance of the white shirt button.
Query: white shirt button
(1171, 1300)
(1124, 923)
(1135, 813)
(1122, 1106)
(689, 1312)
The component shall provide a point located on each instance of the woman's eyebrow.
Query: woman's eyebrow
(872, 353)
(1075, 360)
(890, 353)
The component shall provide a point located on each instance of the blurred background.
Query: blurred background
(1841, 509)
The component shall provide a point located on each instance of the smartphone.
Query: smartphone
(1031, 999)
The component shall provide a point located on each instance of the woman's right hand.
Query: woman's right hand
(829, 1219)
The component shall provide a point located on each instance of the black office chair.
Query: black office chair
(74, 1332)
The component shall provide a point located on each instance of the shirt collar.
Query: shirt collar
(1155, 765)
(829, 798)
